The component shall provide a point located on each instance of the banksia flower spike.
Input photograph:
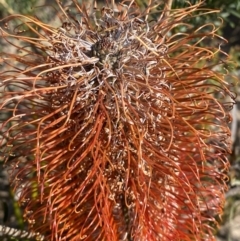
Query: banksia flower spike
(111, 125)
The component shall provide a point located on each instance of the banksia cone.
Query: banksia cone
(113, 124)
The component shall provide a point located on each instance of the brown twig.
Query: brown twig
(168, 7)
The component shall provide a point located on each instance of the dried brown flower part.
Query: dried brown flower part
(115, 126)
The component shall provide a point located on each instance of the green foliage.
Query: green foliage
(228, 9)
(17, 6)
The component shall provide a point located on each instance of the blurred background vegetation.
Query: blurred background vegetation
(228, 21)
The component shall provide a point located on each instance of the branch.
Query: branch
(16, 233)
(168, 6)
(6, 6)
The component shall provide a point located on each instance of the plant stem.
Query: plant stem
(16, 233)
(168, 7)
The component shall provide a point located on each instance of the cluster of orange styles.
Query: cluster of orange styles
(114, 123)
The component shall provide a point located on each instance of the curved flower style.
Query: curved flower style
(114, 126)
